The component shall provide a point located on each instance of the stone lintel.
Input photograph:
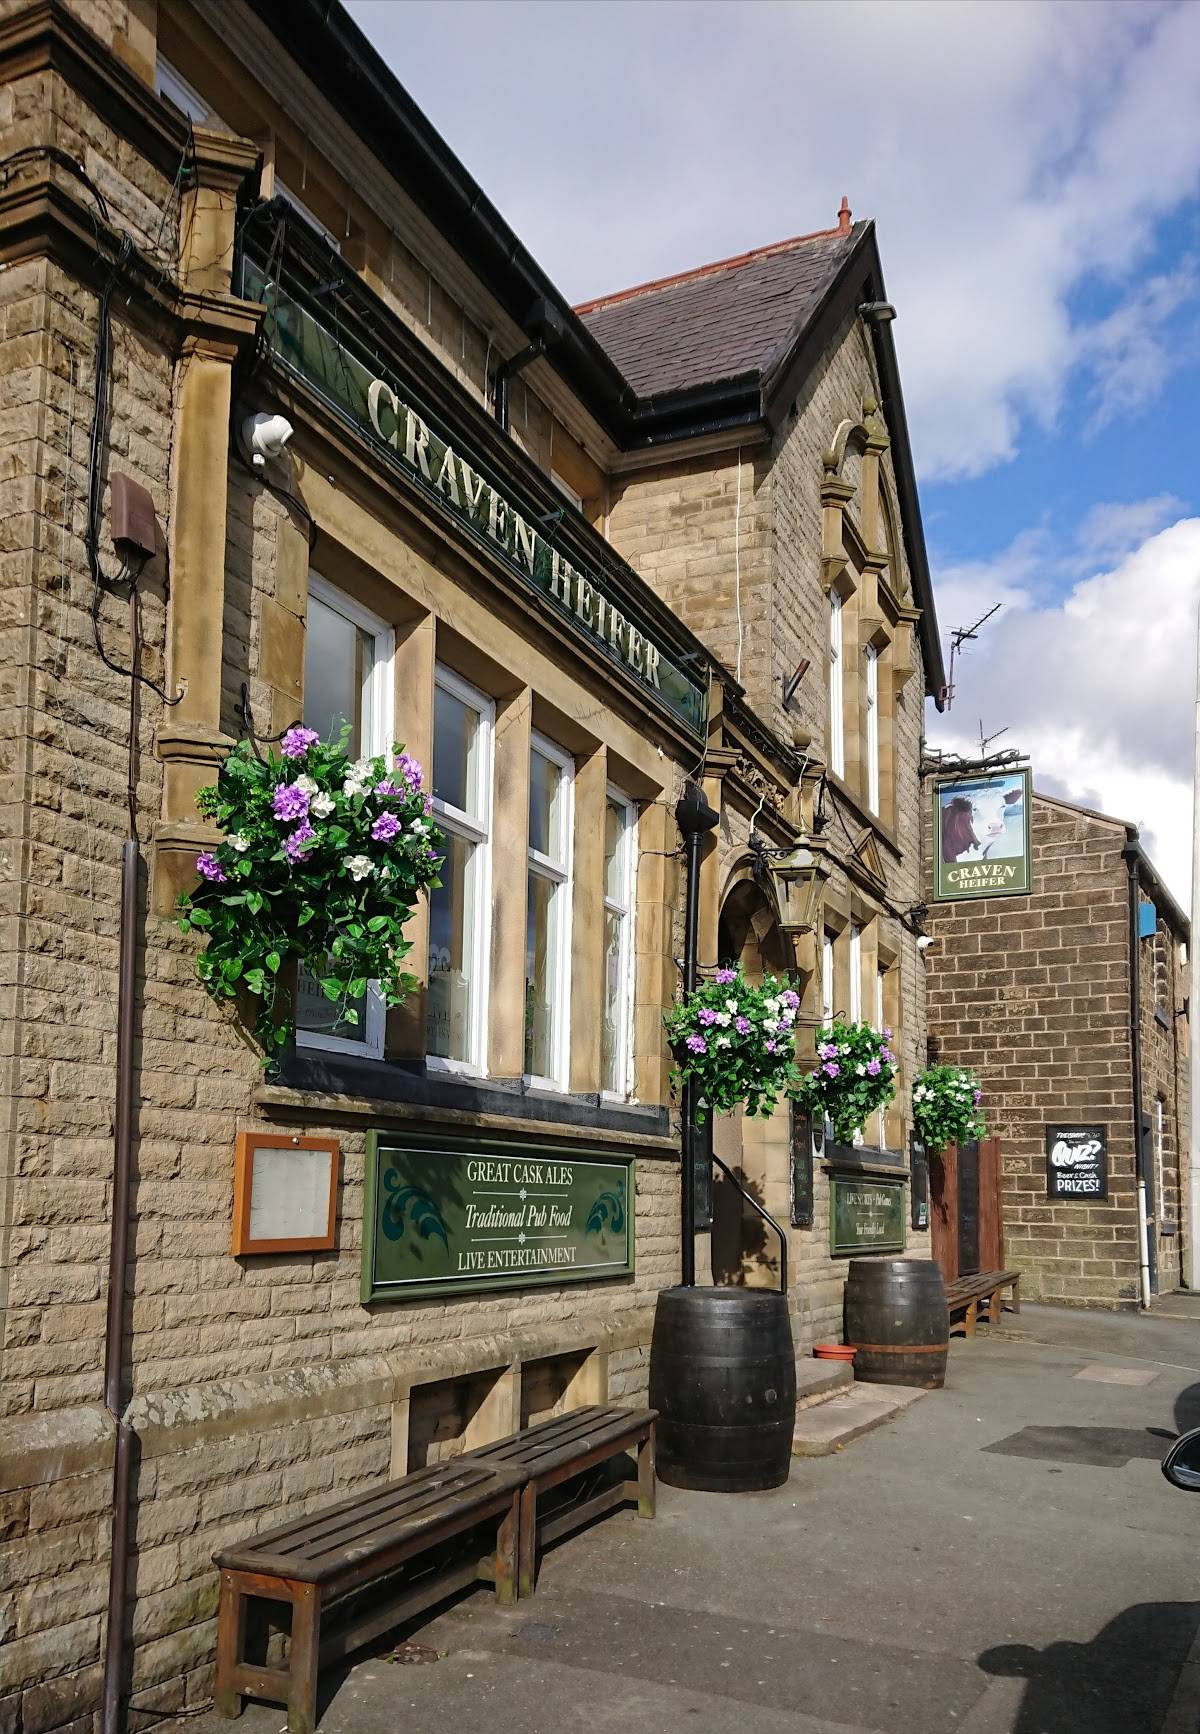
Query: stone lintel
(53, 1444)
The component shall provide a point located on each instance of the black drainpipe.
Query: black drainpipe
(695, 819)
(1145, 1178)
(112, 1714)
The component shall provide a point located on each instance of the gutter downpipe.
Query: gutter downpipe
(112, 1719)
(695, 819)
(1132, 854)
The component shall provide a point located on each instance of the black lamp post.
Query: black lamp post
(695, 819)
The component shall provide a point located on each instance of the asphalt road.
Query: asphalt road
(1005, 1558)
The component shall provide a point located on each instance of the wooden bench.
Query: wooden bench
(320, 1560)
(966, 1293)
(567, 1445)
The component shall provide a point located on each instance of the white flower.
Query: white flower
(362, 770)
(358, 866)
(770, 1025)
(238, 842)
(722, 1041)
(322, 805)
(351, 787)
(771, 1005)
(788, 1016)
(723, 1019)
(385, 873)
(861, 1070)
(420, 827)
(308, 784)
(730, 1005)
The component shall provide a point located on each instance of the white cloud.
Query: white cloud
(1016, 153)
(1099, 688)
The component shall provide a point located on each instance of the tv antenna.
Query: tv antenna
(985, 741)
(960, 636)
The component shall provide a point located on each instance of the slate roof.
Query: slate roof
(723, 321)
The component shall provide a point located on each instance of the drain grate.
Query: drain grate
(1096, 1447)
(1102, 1375)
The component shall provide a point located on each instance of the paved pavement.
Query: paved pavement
(1005, 1558)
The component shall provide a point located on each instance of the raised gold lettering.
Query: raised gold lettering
(378, 391)
(416, 443)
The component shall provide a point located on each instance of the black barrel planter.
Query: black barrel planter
(723, 1379)
(898, 1322)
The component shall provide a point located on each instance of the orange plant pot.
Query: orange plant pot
(833, 1351)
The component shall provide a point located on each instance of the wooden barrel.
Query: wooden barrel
(723, 1379)
(897, 1319)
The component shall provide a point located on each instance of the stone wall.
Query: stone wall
(1033, 993)
(1164, 1027)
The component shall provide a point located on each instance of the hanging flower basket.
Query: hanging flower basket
(946, 1107)
(322, 862)
(736, 1041)
(855, 1076)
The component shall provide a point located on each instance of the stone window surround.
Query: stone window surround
(858, 551)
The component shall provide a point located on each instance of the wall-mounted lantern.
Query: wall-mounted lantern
(797, 878)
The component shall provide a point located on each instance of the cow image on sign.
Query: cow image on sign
(982, 838)
(1077, 1162)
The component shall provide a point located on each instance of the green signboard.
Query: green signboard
(866, 1214)
(981, 836)
(430, 460)
(444, 1216)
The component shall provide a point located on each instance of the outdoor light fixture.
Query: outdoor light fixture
(797, 878)
(264, 436)
(877, 312)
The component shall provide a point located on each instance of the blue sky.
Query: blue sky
(1034, 171)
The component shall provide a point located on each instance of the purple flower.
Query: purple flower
(978, 1097)
(297, 741)
(410, 770)
(874, 1068)
(387, 787)
(886, 1054)
(724, 976)
(210, 868)
(707, 1015)
(789, 997)
(290, 802)
(300, 841)
(385, 827)
(828, 1050)
(770, 1047)
(831, 1069)
(742, 1026)
(428, 805)
(697, 1045)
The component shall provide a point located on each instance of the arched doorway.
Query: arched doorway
(744, 1250)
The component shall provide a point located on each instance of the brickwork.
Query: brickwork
(263, 1385)
(1164, 1026)
(1034, 993)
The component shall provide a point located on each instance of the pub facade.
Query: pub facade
(301, 436)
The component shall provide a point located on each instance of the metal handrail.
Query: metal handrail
(766, 1216)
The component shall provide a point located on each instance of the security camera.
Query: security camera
(924, 941)
(264, 437)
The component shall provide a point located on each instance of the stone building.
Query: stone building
(1071, 1004)
(570, 571)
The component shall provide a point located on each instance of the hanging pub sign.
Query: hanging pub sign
(866, 1214)
(435, 463)
(1077, 1162)
(445, 1215)
(981, 835)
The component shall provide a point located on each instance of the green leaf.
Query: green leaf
(273, 962)
(255, 981)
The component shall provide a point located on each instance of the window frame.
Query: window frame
(476, 830)
(828, 992)
(837, 687)
(854, 1010)
(871, 687)
(628, 913)
(378, 724)
(566, 490)
(1160, 1149)
(559, 873)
